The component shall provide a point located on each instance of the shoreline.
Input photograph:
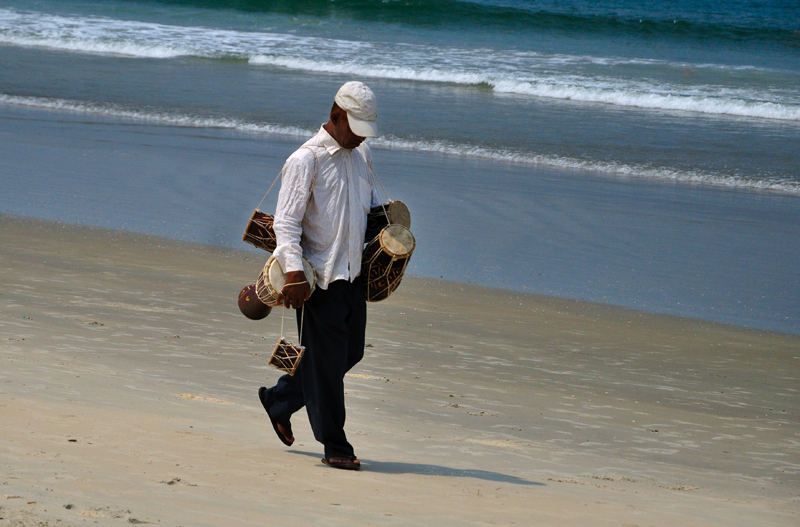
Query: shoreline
(249, 253)
(129, 379)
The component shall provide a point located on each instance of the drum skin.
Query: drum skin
(272, 279)
(251, 306)
(393, 212)
(385, 260)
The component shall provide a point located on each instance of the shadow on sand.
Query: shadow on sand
(425, 469)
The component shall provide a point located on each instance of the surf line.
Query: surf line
(395, 143)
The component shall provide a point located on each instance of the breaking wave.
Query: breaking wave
(398, 143)
(604, 80)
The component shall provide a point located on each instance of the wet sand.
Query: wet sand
(128, 395)
(688, 250)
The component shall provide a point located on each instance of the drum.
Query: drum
(286, 357)
(250, 305)
(259, 232)
(272, 279)
(377, 219)
(384, 261)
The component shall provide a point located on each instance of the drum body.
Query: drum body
(385, 260)
(272, 279)
(286, 357)
(259, 232)
(394, 212)
(250, 305)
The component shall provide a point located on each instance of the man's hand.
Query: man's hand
(296, 291)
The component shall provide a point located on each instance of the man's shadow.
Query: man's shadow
(425, 469)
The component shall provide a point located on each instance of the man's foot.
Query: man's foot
(343, 462)
(284, 431)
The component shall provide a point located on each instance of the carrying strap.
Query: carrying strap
(374, 177)
(313, 179)
(269, 189)
(300, 330)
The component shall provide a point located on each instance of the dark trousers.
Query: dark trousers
(333, 333)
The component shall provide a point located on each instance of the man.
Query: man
(326, 193)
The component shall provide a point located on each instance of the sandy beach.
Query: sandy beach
(600, 325)
(128, 395)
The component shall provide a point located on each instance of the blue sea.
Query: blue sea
(635, 153)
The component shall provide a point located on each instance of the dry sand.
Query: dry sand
(128, 395)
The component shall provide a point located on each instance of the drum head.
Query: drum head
(277, 278)
(398, 213)
(397, 240)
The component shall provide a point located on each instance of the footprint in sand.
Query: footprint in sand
(200, 398)
(368, 377)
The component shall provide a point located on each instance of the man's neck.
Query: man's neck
(332, 132)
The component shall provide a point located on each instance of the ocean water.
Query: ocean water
(640, 153)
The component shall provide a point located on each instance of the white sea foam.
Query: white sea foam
(426, 74)
(606, 80)
(642, 99)
(389, 142)
(162, 118)
(110, 48)
(605, 167)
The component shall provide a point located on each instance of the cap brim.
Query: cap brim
(362, 128)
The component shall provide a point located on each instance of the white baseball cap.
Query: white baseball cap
(359, 102)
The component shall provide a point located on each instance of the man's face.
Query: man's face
(343, 135)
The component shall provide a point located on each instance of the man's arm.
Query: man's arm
(298, 173)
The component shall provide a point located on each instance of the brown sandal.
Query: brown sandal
(343, 462)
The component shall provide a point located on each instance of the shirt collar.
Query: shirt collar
(328, 141)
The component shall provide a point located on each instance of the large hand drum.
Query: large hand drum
(272, 279)
(259, 232)
(384, 261)
(394, 212)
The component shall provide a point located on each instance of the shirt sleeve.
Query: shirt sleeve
(296, 178)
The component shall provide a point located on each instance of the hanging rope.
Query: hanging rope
(313, 180)
(302, 318)
(300, 333)
(269, 189)
(374, 177)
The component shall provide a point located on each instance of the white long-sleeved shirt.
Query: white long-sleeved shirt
(324, 216)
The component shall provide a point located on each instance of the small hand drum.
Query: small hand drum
(272, 279)
(259, 232)
(286, 357)
(250, 305)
